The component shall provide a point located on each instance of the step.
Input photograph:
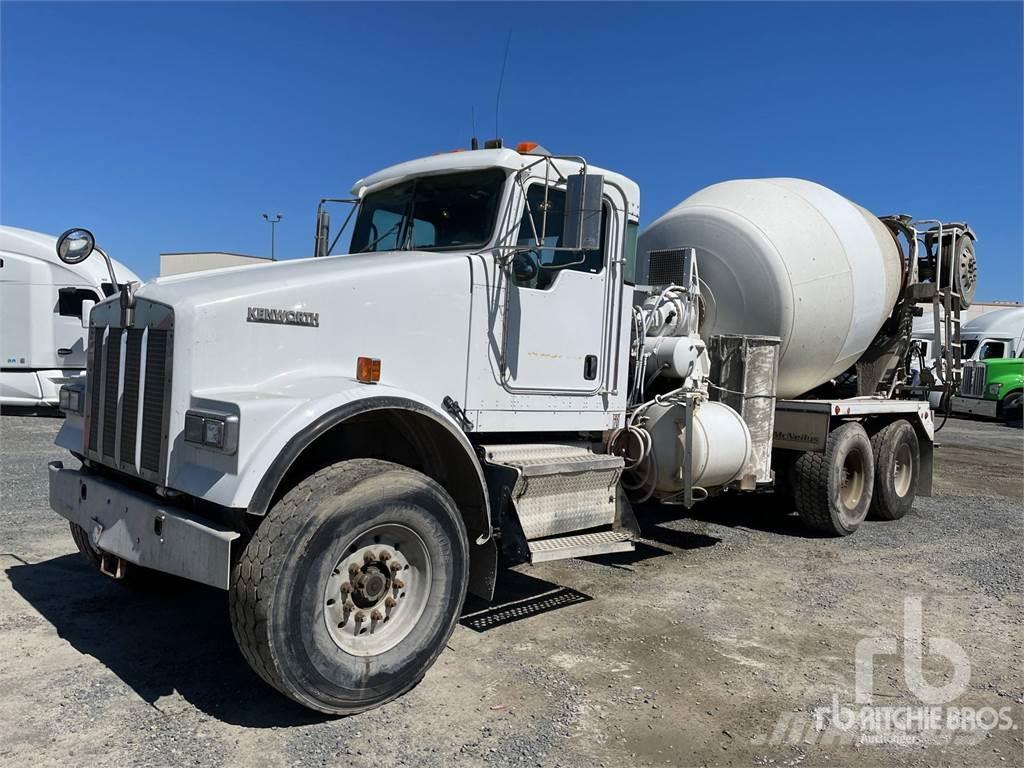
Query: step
(559, 488)
(582, 545)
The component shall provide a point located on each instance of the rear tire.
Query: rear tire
(897, 457)
(318, 595)
(832, 490)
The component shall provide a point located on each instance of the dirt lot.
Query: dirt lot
(713, 644)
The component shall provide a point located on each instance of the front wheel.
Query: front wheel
(1012, 409)
(350, 588)
(833, 489)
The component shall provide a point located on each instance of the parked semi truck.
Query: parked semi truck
(44, 311)
(993, 376)
(495, 373)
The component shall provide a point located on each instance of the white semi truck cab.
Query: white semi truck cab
(495, 373)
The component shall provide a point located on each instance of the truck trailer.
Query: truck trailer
(496, 372)
(44, 311)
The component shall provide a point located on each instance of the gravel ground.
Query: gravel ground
(711, 645)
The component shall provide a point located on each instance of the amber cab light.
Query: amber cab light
(526, 146)
(368, 370)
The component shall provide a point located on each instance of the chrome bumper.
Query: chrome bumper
(137, 528)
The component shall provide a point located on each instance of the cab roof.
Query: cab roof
(480, 159)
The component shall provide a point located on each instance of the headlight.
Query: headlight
(71, 398)
(212, 430)
(993, 389)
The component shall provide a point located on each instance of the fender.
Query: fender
(279, 467)
(483, 557)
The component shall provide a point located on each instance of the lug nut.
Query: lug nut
(376, 615)
(349, 605)
(346, 588)
(398, 584)
(368, 557)
(360, 617)
(353, 569)
(395, 566)
(390, 602)
(385, 556)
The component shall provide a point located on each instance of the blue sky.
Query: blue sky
(168, 127)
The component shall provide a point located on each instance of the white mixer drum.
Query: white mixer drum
(787, 258)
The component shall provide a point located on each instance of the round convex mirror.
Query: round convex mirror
(75, 245)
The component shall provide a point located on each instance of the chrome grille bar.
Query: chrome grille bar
(128, 403)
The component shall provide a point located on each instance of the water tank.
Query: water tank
(787, 258)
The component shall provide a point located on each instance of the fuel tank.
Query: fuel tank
(787, 258)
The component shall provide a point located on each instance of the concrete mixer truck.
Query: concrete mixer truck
(497, 371)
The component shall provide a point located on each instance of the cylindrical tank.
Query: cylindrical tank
(787, 258)
(720, 445)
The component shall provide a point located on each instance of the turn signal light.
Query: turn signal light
(526, 146)
(368, 370)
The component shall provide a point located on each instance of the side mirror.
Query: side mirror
(75, 245)
(323, 233)
(524, 266)
(583, 195)
(87, 305)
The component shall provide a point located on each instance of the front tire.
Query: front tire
(833, 489)
(897, 457)
(351, 586)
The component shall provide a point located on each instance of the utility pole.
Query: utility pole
(273, 223)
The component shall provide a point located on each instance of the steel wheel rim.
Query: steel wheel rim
(378, 590)
(851, 481)
(902, 471)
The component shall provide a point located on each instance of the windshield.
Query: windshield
(454, 210)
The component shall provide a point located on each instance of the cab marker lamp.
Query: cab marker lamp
(212, 430)
(368, 370)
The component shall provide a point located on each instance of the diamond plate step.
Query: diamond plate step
(559, 488)
(584, 545)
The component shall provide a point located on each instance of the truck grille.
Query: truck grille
(129, 368)
(973, 384)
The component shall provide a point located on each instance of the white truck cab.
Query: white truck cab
(349, 443)
(44, 311)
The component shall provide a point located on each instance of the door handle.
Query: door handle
(590, 367)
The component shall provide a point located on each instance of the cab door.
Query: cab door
(556, 333)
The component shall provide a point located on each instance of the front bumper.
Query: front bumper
(137, 528)
(976, 406)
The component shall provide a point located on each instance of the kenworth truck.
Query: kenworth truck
(494, 374)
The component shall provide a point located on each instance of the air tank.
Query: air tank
(787, 258)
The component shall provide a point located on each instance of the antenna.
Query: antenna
(501, 79)
(473, 143)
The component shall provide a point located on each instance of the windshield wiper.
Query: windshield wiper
(395, 226)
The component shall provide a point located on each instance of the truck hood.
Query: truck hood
(251, 280)
(264, 328)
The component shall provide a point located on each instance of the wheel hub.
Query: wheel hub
(377, 591)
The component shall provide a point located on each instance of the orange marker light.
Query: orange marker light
(368, 370)
(526, 146)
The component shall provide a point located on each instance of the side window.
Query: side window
(550, 262)
(70, 300)
(629, 255)
(992, 349)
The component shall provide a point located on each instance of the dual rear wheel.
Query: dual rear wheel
(857, 475)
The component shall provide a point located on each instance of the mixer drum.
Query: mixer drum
(788, 258)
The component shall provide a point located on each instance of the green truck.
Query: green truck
(992, 388)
